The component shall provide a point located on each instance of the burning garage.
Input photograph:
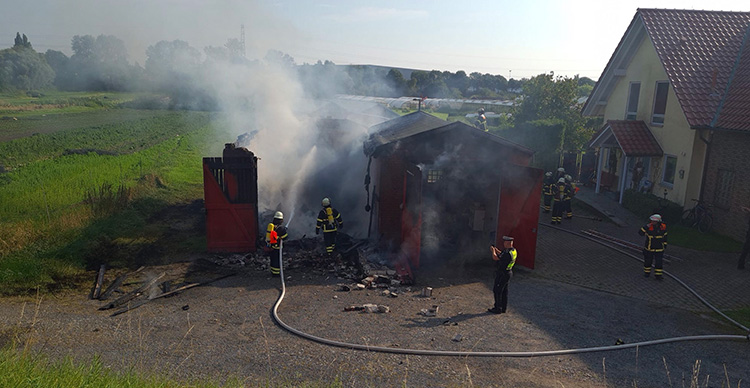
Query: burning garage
(446, 191)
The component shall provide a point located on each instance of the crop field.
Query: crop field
(79, 188)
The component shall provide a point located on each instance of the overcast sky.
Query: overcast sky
(519, 38)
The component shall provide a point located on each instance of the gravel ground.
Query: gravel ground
(225, 329)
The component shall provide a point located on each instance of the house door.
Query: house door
(638, 172)
(518, 213)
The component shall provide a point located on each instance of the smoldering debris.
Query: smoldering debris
(354, 260)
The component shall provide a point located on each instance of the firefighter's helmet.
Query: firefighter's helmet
(655, 218)
(568, 178)
(548, 173)
(278, 216)
(560, 169)
(561, 180)
(481, 111)
(325, 202)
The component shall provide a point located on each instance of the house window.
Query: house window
(660, 102)
(670, 167)
(632, 108)
(724, 180)
(434, 175)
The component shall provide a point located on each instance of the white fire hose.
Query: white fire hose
(542, 353)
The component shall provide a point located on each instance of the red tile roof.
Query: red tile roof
(734, 111)
(634, 137)
(699, 50)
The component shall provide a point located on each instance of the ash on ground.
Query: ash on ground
(354, 259)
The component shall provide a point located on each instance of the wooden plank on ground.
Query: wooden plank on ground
(117, 284)
(98, 283)
(133, 294)
(165, 294)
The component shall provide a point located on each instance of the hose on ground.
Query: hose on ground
(543, 353)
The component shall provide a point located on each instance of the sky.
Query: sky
(514, 39)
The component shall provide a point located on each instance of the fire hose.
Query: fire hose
(542, 353)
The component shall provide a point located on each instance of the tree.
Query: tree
(398, 83)
(99, 63)
(23, 68)
(21, 42)
(554, 100)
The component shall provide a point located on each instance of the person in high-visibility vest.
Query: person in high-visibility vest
(275, 234)
(504, 260)
(329, 220)
(656, 241)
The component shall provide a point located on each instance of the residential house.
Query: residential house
(675, 104)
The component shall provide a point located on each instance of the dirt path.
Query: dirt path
(225, 329)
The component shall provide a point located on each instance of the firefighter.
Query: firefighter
(329, 219)
(504, 261)
(560, 191)
(656, 241)
(275, 234)
(560, 173)
(547, 191)
(481, 122)
(567, 201)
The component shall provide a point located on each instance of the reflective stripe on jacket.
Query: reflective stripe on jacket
(329, 219)
(656, 236)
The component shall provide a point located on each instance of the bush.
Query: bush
(643, 205)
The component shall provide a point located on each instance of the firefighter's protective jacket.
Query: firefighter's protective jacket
(329, 219)
(548, 183)
(560, 191)
(656, 236)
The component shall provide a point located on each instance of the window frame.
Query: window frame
(632, 114)
(664, 182)
(659, 116)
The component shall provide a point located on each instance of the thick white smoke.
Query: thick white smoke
(301, 161)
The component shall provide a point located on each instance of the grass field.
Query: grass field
(21, 370)
(77, 188)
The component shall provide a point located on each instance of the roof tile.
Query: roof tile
(698, 50)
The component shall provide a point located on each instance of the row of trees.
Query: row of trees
(101, 64)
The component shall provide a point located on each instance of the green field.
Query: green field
(79, 186)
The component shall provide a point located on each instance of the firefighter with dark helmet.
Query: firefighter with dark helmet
(547, 191)
(504, 259)
(656, 241)
(329, 220)
(275, 234)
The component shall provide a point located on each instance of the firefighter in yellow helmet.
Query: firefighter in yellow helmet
(656, 241)
(329, 219)
(275, 234)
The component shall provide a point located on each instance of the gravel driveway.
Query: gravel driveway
(225, 329)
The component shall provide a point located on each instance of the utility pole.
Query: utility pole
(509, 74)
